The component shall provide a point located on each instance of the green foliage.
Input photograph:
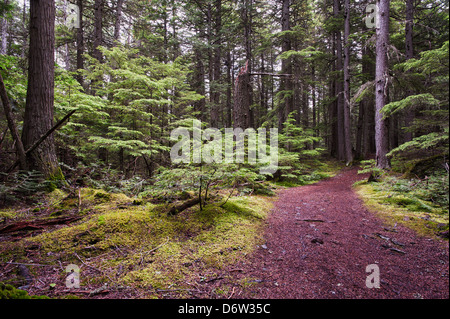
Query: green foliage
(21, 184)
(129, 109)
(430, 194)
(409, 102)
(370, 166)
(206, 180)
(431, 125)
(297, 154)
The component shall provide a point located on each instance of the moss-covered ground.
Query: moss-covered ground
(130, 248)
(394, 202)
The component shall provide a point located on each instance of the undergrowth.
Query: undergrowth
(420, 203)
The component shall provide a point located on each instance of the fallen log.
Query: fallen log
(179, 208)
(37, 224)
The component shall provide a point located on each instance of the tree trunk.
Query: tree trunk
(247, 22)
(228, 121)
(118, 20)
(216, 58)
(38, 118)
(339, 89)
(409, 114)
(241, 109)
(4, 32)
(80, 44)
(347, 118)
(286, 107)
(199, 83)
(98, 28)
(381, 79)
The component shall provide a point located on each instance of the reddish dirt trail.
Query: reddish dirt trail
(320, 239)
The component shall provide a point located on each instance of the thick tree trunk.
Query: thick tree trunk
(38, 118)
(381, 79)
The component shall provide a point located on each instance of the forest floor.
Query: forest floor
(308, 242)
(320, 238)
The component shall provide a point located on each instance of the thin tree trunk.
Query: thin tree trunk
(228, 121)
(286, 66)
(80, 44)
(381, 81)
(248, 21)
(409, 114)
(216, 58)
(347, 119)
(339, 89)
(12, 125)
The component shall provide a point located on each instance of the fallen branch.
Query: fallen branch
(12, 126)
(43, 137)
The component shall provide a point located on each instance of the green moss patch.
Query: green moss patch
(422, 216)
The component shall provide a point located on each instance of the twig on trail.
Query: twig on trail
(315, 220)
(180, 289)
(395, 250)
(214, 279)
(232, 293)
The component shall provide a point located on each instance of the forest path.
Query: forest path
(320, 238)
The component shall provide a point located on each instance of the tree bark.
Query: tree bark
(199, 83)
(98, 28)
(339, 90)
(347, 118)
(38, 118)
(80, 44)
(286, 106)
(4, 31)
(381, 82)
(241, 109)
(118, 20)
(216, 58)
(409, 51)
